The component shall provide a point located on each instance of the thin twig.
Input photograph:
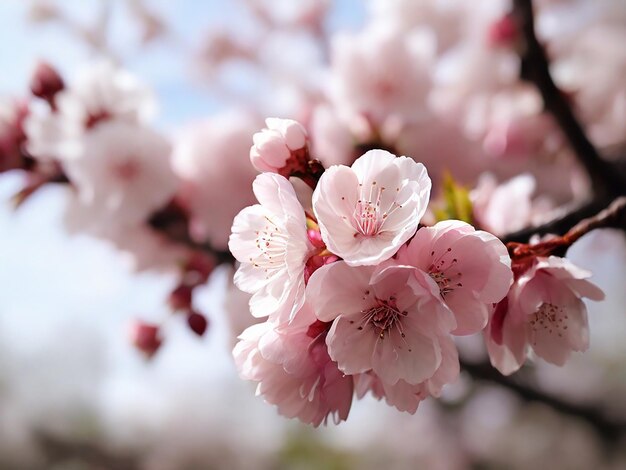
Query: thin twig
(535, 68)
(609, 429)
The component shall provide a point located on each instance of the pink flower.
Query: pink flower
(275, 145)
(211, 159)
(124, 176)
(383, 320)
(294, 372)
(405, 396)
(470, 267)
(101, 92)
(270, 241)
(368, 211)
(543, 311)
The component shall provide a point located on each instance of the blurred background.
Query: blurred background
(76, 394)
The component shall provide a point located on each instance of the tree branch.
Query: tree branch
(535, 68)
(609, 429)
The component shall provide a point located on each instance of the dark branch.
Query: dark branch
(609, 429)
(535, 68)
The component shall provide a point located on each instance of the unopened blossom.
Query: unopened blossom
(275, 145)
(367, 211)
(124, 174)
(383, 320)
(471, 268)
(12, 114)
(101, 92)
(211, 159)
(544, 312)
(294, 372)
(270, 241)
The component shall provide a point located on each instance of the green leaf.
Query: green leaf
(456, 202)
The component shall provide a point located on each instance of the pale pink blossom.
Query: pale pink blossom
(276, 144)
(211, 159)
(366, 212)
(124, 174)
(544, 312)
(382, 73)
(472, 269)
(101, 92)
(405, 396)
(508, 207)
(384, 320)
(270, 241)
(139, 247)
(294, 372)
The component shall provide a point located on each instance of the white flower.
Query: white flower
(124, 173)
(270, 240)
(368, 211)
(100, 93)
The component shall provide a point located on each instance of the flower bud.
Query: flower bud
(146, 337)
(275, 145)
(180, 298)
(46, 82)
(197, 322)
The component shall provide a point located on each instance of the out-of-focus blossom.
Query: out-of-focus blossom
(544, 312)
(276, 144)
(471, 268)
(101, 92)
(270, 241)
(368, 211)
(211, 159)
(508, 207)
(382, 74)
(124, 174)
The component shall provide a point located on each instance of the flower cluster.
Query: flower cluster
(358, 297)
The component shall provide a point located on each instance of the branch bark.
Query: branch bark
(606, 182)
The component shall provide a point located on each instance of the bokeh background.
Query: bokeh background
(75, 394)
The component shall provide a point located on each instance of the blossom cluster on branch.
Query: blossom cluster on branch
(361, 266)
(359, 297)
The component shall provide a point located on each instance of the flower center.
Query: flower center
(548, 318)
(383, 316)
(271, 244)
(369, 216)
(442, 271)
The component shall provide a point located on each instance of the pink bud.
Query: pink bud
(197, 322)
(198, 269)
(46, 82)
(502, 32)
(275, 145)
(146, 337)
(180, 298)
(315, 237)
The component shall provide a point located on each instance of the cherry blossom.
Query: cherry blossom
(294, 372)
(276, 144)
(405, 396)
(270, 241)
(366, 212)
(470, 267)
(100, 92)
(544, 312)
(211, 159)
(125, 175)
(383, 320)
